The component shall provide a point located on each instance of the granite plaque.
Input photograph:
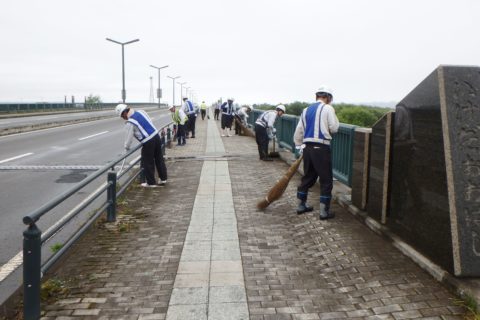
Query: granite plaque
(378, 172)
(435, 193)
(361, 156)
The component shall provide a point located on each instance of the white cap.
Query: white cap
(325, 89)
(281, 107)
(120, 108)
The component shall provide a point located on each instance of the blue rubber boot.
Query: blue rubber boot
(303, 207)
(325, 208)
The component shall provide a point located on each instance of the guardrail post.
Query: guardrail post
(112, 196)
(32, 250)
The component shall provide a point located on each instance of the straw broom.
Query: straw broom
(277, 190)
(244, 130)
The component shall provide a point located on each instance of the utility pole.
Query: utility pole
(173, 83)
(151, 99)
(159, 90)
(123, 44)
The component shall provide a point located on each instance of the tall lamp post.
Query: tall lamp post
(123, 44)
(181, 90)
(159, 90)
(186, 91)
(173, 83)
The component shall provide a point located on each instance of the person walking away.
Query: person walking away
(179, 118)
(242, 116)
(314, 133)
(203, 109)
(264, 130)
(191, 113)
(216, 114)
(227, 117)
(139, 125)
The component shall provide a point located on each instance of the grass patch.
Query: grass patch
(471, 306)
(56, 247)
(53, 289)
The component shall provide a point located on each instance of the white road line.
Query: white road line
(93, 135)
(11, 265)
(17, 157)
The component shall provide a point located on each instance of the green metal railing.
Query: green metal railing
(342, 143)
(342, 153)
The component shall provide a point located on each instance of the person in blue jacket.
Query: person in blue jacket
(139, 125)
(313, 136)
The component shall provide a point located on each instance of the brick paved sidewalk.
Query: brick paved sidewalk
(294, 267)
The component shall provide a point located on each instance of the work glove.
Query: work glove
(270, 136)
(299, 151)
(274, 131)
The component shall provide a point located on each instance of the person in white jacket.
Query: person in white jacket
(314, 133)
(264, 130)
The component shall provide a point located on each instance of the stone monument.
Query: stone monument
(435, 174)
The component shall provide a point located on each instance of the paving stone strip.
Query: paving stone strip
(209, 282)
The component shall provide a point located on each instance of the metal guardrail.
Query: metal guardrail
(46, 106)
(33, 239)
(342, 143)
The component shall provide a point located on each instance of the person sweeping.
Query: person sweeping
(313, 136)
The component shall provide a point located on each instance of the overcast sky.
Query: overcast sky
(253, 50)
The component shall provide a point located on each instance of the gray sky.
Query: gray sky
(253, 50)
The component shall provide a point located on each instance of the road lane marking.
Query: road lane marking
(17, 157)
(11, 265)
(93, 135)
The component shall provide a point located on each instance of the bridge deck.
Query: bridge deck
(199, 249)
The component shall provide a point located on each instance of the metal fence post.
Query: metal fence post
(112, 196)
(32, 250)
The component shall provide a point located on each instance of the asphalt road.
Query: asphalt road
(28, 120)
(27, 180)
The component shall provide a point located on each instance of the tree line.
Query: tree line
(359, 115)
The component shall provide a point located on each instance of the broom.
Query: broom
(247, 132)
(277, 190)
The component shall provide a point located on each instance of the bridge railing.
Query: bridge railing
(33, 238)
(47, 106)
(342, 143)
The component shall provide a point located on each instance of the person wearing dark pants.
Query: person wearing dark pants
(227, 117)
(139, 125)
(179, 118)
(153, 158)
(314, 133)
(203, 110)
(216, 115)
(261, 137)
(190, 110)
(264, 130)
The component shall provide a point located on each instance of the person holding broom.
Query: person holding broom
(264, 130)
(313, 136)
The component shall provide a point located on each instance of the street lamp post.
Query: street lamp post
(159, 90)
(173, 82)
(181, 90)
(123, 44)
(186, 91)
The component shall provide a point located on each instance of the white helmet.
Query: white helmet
(280, 107)
(171, 107)
(120, 108)
(250, 107)
(231, 99)
(325, 89)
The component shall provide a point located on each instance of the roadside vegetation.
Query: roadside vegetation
(359, 115)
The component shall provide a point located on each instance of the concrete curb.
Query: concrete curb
(341, 194)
